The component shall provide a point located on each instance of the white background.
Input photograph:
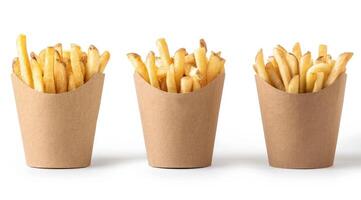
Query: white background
(238, 28)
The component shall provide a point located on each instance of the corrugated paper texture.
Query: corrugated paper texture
(58, 129)
(179, 129)
(301, 129)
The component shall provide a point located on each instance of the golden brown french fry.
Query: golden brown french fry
(76, 65)
(16, 67)
(138, 65)
(275, 79)
(311, 75)
(67, 66)
(186, 84)
(84, 59)
(292, 64)
(280, 58)
(42, 57)
(319, 82)
(37, 75)
(214, 67)
(339, 68)
(322, 52)
(171, 84)
(93, 62)
(59, 48)
(49, 82)
(294, 85)
(194, 72)
(274, 64)
(104, 58)
(196, 84)
(296, 50)
(71, 84)
(164, 52)
(39, 60)
(201, 62)
(25, 68)
(189, 59)
(187, 69)
(60, 76)
(203, 44)
(261, 69)
(179, 62)
(305, 64)
(152, 70)
(281, 48)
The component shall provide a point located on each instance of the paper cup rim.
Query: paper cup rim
(161, 92)
(27, 87)
(281, 92)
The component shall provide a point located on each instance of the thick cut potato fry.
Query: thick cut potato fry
(261, 69)
(16, 67)
(49, 82)
(292, 63)
(68, 69)
(76, 65)
(319, 82)
(186, 84)
(171, 84)
(164, 52)
(37, 75)
(311, 75)
(214, 67)
(179, 62)
(339, 68)
(104, 58)
(201, 63)
(296, 50)
(25, 67)
(60, 76)
(138, 65)
(275, 79)
(92, 63)
(281, 48)
(293, 86)
(274, 64)
(305, 64)
(280, 58)
(152, 70)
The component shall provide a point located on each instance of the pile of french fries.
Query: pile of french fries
(182, 73)
(54, 70)
(296, 73)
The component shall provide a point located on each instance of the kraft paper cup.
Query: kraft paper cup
(301, 129)
(179, 129)
(58, 129)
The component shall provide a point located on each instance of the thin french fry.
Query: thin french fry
(294, 84)
(59, 48)
(296, 50)
(92, 63)
(261, 69)
(60, 76)
(339, 68)
(151, 68)
(214, 67)
(311, 75)
(171, 84)
(179, 62)
(138, 65)
(196, 84)
(305, 64)
(37, 75)
(203, 44)
(104, 58)
(164, 52)
(76, 65)
(274, 64)
(275, 79)
(319, 82)
(292, 64)
(280, 58)
(186, 84)
(49, 82)
(25, 68)
(322, 52)
(201, 63)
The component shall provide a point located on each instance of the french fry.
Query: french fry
(214, 67)
(186, 84)
(59, 48)
(292, 64)
(312, 74)
(280, 58)
(68, 67)
(196, 84)
(274, 64)
(203, 44)
(138, 65)
(49, 82)
(275, 79)
(37, 75)
(293, 86)
(164, 52)
(179, 62)
(150, 63)
(171, 84)
(16, 67)
(189, 59)
(60, 76)
(76, 65)
(162, 72)
(163, 84)
(25, 68)
(66, 54)
(296, 50)
(339, 68)
(281, 48)
(104, 58)
(319, 82)
(322, 52)
(261, 69)
(305, 64)
(201, 63)
(71, 84)
(92, 63)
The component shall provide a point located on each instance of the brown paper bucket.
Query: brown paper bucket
(179, 129)
(58, 129)
(301, 129)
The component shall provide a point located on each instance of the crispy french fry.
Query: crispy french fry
(16, 67)
(152, 70)
(49, 82)
(93, 62)
(274, 64)
(186, 84)
(104, 58)
(261, 69)
(339, 68)
(280, 58)
(138, 65)
(203, 44)
(171, 84)
(311, 75)
(201, 62)
(59, 48)
(71, 84)
(275, 79)
(214, 67)
(76, 65)
(25, 68)
(37, 75)
(60, 76)
(39, 60)
(68, 67)
(305, 64)
(179, 62)
(293, 86)
(164, 52)
(322, 52)
(196, 84)
(319, 82)
(296, 50)
(292, 64)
